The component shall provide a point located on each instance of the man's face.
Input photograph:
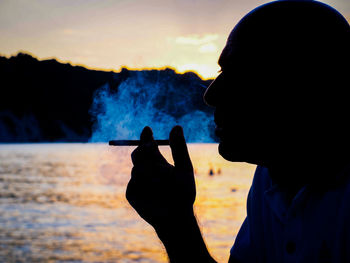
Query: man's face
(259, 116)
(239, 111)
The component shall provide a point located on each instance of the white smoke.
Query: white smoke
(141, 102)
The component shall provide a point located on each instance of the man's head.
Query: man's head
(282, 92)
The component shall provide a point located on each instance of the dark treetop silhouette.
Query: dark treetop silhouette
(49, 101)
(281, 103)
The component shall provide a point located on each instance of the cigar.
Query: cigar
(134, 142)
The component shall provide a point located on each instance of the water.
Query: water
(65, 203)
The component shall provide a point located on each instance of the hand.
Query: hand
(164, 194)
(157, 190)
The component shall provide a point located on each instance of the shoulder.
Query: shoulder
(245, 248)
(261, 181)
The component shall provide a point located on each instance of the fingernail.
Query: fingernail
(146, 134)
(176, 133)
(178, 130)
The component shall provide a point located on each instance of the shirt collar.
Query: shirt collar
(276, 199)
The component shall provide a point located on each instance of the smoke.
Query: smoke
(18, 129)
(155, 99)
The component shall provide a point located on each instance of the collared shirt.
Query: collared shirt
(315, 227)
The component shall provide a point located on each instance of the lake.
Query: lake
(66, 203)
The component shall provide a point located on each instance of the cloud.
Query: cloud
(196, 39)
(68, 31)
(208, 48)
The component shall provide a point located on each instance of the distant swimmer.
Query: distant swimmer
(211, 172)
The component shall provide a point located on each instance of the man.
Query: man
(281, 103)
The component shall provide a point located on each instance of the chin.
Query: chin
(237, 153)
(229, 153)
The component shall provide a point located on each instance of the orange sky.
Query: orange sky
(108, 34)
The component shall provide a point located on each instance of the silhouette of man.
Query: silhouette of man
(281, 103)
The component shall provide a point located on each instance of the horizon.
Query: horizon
(139, 35)
(102, 69)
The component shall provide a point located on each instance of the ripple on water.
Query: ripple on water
(65, 202)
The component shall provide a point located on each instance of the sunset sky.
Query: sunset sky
(106, 34)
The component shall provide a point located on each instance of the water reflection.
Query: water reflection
(65, 202)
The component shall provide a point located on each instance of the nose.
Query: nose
(211, 95)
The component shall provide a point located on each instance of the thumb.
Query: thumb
(179, 150)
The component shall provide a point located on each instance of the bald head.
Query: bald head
(285, 32)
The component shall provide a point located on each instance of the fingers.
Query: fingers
(179, 150)
(147, 153)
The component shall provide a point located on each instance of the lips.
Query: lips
(219, 130)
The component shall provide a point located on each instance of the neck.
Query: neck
(289, 178)
(292, 176)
